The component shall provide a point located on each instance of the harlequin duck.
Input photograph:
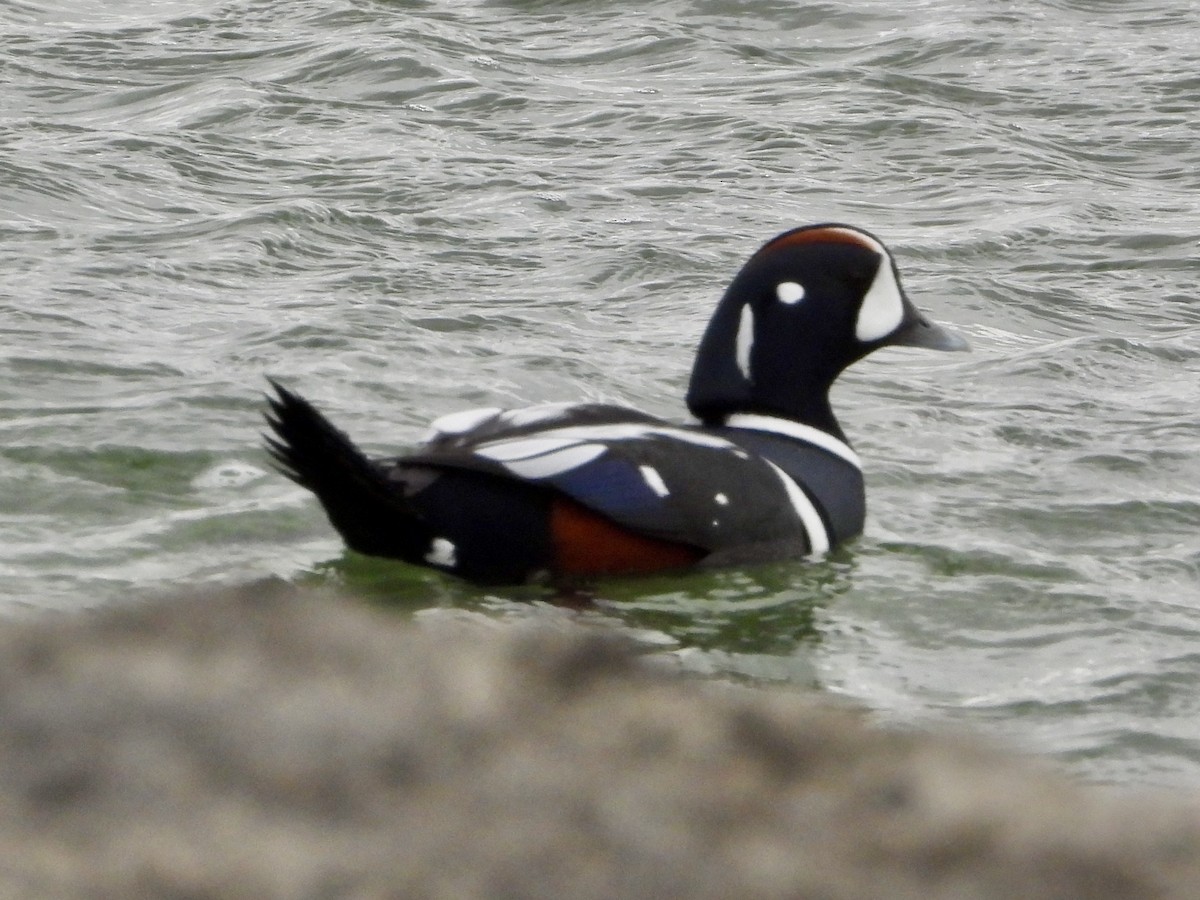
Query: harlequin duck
(579, 490)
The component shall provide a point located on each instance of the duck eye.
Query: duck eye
(789, 292)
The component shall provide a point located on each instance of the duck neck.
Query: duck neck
(809, 407)
(721, 385)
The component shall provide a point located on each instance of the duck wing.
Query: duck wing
(684, 484)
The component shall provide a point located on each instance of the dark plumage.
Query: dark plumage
(591, 489)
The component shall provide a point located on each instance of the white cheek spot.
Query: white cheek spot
(789, 292)
(721, 499)
(882, 308)
(442, 553)
(655, 480)
(745, 340)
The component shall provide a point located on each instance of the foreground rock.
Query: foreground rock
(258, 744)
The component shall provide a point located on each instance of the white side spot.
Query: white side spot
(882, 308)
(548, 465)
(442, 553)
(789, 292)
(655, 480)
(721, 499)
(461, 422)
(818, 537)
(745, 340)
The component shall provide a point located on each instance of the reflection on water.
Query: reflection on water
(760, 622)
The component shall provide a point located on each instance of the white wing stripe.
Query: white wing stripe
(639, 431)
(549, 464)
(523, 448)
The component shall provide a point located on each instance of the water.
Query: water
(406, 208)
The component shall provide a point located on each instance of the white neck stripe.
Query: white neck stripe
(798, 430)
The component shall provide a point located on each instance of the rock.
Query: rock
(263, 743)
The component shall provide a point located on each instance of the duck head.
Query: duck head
(804, 307)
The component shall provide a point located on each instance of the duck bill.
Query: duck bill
(918, 331)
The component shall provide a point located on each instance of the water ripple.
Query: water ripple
(405, 208)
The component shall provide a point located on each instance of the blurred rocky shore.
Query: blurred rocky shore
(269, 743)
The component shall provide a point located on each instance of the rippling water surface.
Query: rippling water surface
(405, 208)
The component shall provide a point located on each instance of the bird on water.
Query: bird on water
(568, 491)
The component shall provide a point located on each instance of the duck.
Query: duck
(569, 491)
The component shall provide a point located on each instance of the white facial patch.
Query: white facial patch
(721, 499)
(442, 553)
(882, 308)
(745, 340)
(789, 293)
(651, 476)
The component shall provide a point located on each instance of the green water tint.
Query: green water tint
(768, 609)
(419, 208)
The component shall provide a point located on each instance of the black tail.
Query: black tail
(364, 505)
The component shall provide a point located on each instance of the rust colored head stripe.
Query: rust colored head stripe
(830, 235)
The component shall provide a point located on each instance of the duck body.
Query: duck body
(582, 490)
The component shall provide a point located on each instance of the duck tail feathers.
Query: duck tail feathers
(364, 505)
